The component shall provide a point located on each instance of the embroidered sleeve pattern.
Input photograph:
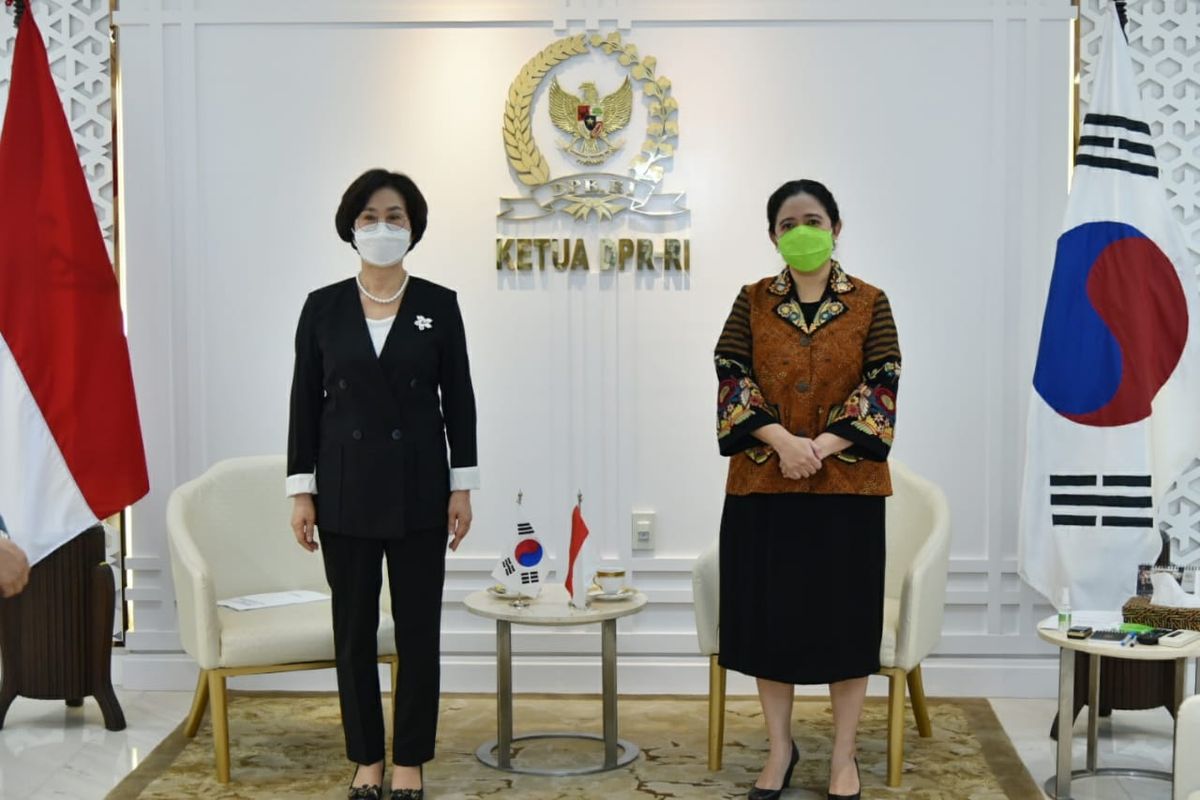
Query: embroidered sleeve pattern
(868, 417)
(741, 406)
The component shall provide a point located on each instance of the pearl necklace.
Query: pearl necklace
(382, 300)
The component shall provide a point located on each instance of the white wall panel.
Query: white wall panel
(941, 127)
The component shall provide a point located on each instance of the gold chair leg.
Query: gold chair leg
(394, 663)
(716, 713)
(199, 705)
(895, 755)
(220, 723)
(916, 691)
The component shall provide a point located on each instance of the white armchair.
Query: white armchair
(228, 535)
(918, 554)
(1187, 745)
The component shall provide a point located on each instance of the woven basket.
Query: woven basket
(1143, 612)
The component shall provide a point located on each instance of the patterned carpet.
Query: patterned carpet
(290, 746)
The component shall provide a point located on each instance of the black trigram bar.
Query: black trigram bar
(1073, 480)
(1127, 480)
(1073, 519)
(1136, 147)
(1096, 141)
(509, 568)
(1104, 162)
(529, 577)
(1127, 522)
(524, 529)
(1106, 500)
(1115, 121)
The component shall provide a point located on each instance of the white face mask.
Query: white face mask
(381, 244)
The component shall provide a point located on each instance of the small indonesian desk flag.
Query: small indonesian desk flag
(581, 560)
(1113, 412)
(71, 449)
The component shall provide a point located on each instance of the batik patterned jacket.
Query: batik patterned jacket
(838, 372)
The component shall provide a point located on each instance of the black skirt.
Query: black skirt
(802, 586)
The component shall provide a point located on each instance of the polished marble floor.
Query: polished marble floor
(53, 752)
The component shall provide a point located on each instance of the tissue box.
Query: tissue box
(1142, 611)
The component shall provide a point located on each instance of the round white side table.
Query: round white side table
(553, 609)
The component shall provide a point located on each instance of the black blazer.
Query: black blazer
(374, 428)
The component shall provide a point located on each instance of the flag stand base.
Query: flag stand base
(56, 636)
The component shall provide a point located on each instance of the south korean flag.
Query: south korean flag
(521, 571)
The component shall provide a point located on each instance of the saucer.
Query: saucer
(596, 593)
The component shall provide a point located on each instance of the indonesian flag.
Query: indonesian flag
(1113, 418)
(580, 561)
(70, 444)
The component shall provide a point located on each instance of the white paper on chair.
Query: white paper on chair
(253, 602)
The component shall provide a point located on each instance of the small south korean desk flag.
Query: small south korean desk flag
(521, 570)
(1113, 414)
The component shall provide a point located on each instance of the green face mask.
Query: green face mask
(806, 248)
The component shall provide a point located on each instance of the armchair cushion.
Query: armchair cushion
(706, 598)
(891, 628)
(286, 635)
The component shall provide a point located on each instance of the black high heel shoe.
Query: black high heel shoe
(773, 794)
(857, 795)
(363, 792)
(410, 794)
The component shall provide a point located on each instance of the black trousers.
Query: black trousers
(416, 571)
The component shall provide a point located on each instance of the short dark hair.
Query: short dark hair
(814, 189)
(359, 194)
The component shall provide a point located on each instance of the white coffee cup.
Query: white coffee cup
(611, 580)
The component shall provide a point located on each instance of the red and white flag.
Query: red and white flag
(580, 562)
(71, 450)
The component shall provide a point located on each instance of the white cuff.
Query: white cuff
(301, 484)
(464, 478)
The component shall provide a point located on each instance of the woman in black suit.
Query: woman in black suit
(381, 384)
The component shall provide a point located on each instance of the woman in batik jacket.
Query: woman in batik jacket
(808, 365)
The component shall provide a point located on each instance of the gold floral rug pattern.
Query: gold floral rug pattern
(290, 746)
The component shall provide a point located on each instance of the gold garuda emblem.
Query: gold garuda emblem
(591, 123)
(590, 120)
